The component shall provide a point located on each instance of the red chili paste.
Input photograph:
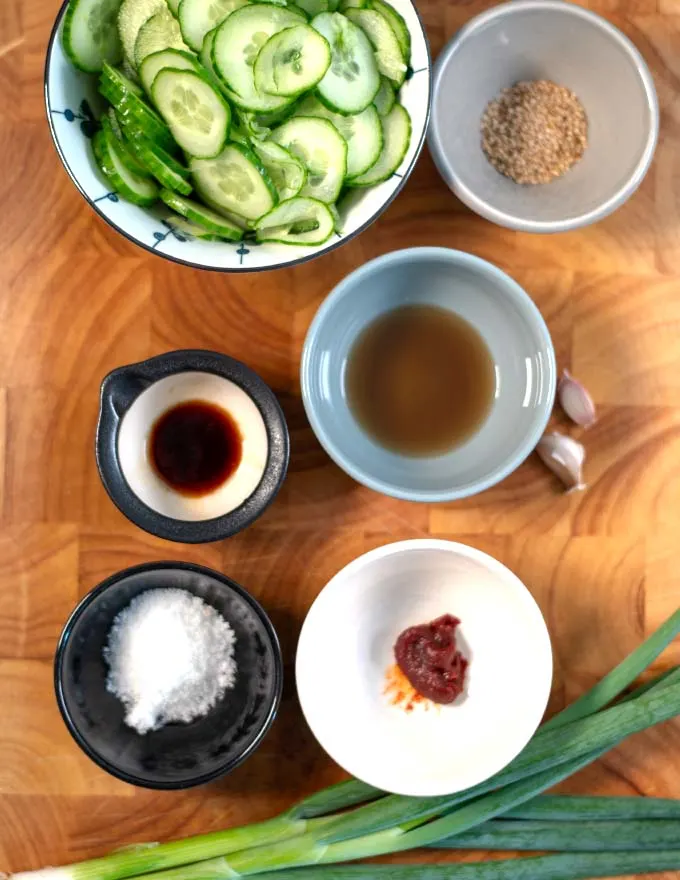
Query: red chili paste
(430, 660)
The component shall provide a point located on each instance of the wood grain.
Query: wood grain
(77, 300)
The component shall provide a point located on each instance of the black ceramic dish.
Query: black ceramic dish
(177, 755)
(118, 392)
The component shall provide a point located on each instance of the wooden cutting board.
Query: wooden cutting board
(77, 300)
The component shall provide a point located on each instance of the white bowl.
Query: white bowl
(72, 103)
(545, 39)
(346, 646)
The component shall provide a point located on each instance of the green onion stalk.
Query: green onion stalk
(352, 821)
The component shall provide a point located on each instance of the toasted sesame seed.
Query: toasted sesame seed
(534, 132)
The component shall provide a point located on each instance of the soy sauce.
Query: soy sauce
(420, 380)
(195, 447)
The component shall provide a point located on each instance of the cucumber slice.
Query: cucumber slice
(133, 188)
(155, 62)
(90, 36)
(384, 100)
(397, 134)
(362, 132)
(112, 132)
(313, 7)
(333, 6)
(155, 161)
(197, 17)
(292, 61)
(113, 122)
(322, 151)
(131, 16)
(126, 98)
(173, 6)
(186, 227)
(384, 41)
(160, 32)
(397, 24)
(209, 220)
(352, 80)
(196, 113)
(288, 174)
(235, 181)
(236, 45)
(301, 221)
(353, 4)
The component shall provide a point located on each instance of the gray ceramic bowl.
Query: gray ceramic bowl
(514, 331)
(545, 39)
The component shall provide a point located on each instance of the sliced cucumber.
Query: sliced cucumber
(333, 6)
(362, 132)
(186, 227)
(321, 149)
(155, 161)
(397, 135)
(113, 122)
(352, 80)
(209, 220)
(196, 113)
(112, 131)
(138, 190)
(384, 100)
(302, 221)
(288, 174)
(236, 46)
(197, 17)
(292, 61)
(397, 24)
(384, 41)
(131, 16)
(353, 4)
(160, 32)
(90, 36)
(313, 7)
(173, 6)
(258, 126)
(126, 98)
(235, 181)
(155, 62)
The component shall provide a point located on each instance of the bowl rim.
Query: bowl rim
(91, 597)
(202, 531)
(510, 221)
(458, 258)
(494, 566)
(324, 249)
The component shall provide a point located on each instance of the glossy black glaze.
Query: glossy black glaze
(177, 755)
(119, 390)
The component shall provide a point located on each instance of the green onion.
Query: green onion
(300, 818)
(569, 807)
(573, 866)
(575, 836)
(616, 681)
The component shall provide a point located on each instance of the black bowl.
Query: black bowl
(177, 755)
(119, 391)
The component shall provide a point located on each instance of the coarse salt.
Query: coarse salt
(170, 657)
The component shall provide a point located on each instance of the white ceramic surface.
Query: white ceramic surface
(514, 331)
(72, 102)
(560, 41)
(133, 441)
(347, 642)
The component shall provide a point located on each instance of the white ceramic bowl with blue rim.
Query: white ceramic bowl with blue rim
(73, 103)
(514, 331)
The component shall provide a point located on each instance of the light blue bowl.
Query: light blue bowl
(514, 331)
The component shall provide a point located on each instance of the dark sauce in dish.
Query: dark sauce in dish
(420, 380)
(429, 658)
(195, 447)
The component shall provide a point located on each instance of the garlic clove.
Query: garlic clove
(564, 456)
(575, 400)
